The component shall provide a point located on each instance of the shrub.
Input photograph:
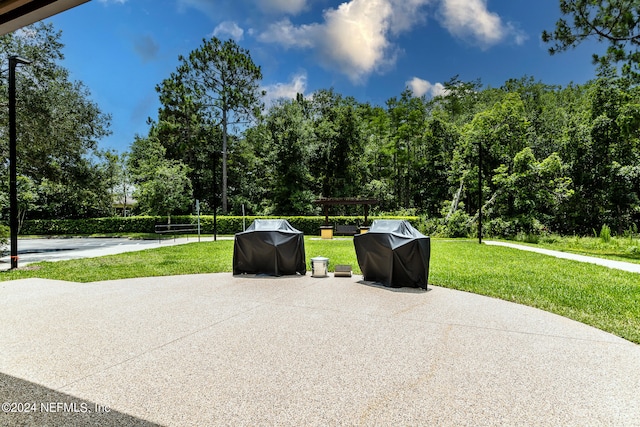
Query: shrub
(605, 234)
(527, 237)
(550, 238)
(459, 225)
(498, 227)
(309, 225)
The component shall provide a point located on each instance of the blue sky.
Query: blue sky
(369, 49)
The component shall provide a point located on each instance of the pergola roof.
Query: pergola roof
(345, 201)
(332, 201)
(15, 14)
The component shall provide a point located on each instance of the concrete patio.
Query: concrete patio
(221, 350)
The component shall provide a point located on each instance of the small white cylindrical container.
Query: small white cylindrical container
(319, 266)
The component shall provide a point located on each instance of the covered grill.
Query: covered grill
(394, 253)
(270, 247)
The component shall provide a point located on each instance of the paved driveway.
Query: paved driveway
(35, 250)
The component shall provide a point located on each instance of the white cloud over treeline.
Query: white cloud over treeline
(228, 29)
(353, 38)
(290, 7)
(472, 21)
(356, 38)
(421, 87)
(297, 84)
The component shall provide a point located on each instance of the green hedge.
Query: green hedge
(309, 225)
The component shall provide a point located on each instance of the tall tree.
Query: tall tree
(616, 22)
(408, 115)
(59, 128)
(378, 158)
(534, 191)
(601, 147)
(500, 132)
(339, 144)
(221, 79)
(162, 185)
(290, 134)
(118, 178)
(183, 129)
(434, 170)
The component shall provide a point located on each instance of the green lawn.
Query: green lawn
(605, 298)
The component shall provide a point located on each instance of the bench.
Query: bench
(176, 229)
(347, 230)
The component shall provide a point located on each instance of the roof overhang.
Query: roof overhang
(15, 14)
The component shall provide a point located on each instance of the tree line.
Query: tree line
(556, 159)
(61, 171)
(535, 157)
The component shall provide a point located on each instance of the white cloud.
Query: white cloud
(208, 7)
(229, 28)
(421, 87)
(407, 13)
(298, 84)
(472, 21)
(113, 1)
(286, 34)
(354, 38)
(214, 9)
(289, 7)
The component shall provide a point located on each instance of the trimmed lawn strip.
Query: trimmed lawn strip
(191, 258)
(598, 296)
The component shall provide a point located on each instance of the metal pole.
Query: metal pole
(198, 213)
(480, 192)
(215, 196)
(13, 174)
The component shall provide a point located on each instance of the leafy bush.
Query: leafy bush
(498, 227)
(459, 225)
(550, 238)
(605, 234)
(430, 226)
(527, 237)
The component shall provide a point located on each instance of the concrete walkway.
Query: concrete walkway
(214, 349)
(619, 265)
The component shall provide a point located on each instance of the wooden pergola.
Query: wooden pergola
(331, 201)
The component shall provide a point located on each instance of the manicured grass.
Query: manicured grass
(339, 251)
(193, 258)
(605, 298)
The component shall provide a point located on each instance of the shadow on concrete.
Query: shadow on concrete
(263, 276)
(405, 290)
(28, 404)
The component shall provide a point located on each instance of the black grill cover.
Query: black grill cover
(269, 246)
(394, 253)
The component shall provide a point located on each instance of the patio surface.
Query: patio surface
(216, 349)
